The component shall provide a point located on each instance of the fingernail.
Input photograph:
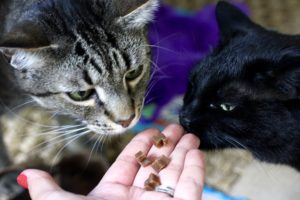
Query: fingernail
(22, 181)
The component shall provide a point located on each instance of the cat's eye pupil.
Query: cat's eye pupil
(80, 95)
(134, 74)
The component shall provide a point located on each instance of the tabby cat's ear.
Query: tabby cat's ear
(232, 20)
(22, 45)
(135, 13)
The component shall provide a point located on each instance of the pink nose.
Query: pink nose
(126, 123)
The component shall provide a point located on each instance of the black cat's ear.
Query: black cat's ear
(232, 20)
(135, 13)
(21, 46)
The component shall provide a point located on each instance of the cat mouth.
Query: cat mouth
(112, 128)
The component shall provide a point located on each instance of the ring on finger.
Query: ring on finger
(165, 189)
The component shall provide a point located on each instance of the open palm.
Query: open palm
(125, 179)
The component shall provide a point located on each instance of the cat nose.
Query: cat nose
(126, 123)
(184, 121)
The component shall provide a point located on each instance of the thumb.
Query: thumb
(40, 184)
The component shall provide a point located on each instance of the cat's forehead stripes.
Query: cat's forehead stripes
(102, 56)
(96, 66)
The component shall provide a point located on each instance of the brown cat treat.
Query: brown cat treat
(160, 140)
(160, 163)
(142, 159)
(152, 182)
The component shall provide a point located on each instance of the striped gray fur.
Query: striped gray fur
(56, 47)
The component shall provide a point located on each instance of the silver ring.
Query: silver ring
(165, 189)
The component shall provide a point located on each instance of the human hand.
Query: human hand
(125, 178)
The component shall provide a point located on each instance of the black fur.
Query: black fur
(255, 72)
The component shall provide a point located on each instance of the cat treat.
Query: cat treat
(152, 182)
(142, 159)
(160, 163)
(160, 140)
(146, 162)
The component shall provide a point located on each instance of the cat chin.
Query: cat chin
(107, 131)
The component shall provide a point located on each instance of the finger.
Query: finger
(173, 133)
(191, 181)
(125, 168)
(41, 186)
(171, 174)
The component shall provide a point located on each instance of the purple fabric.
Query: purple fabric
(179, 41)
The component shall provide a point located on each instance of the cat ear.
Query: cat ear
(231, 19)
(20, 58)
(136, 13)
(21, 47)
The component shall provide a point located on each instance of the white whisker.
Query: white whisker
(100, 141)
(21, 105)
(59, 136)
(54, 131)
(28, 121)
(103, 142)
(160, 48)
(68, 143)
(53, 143)
(95, 144)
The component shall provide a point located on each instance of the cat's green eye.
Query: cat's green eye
(134, 74)
(80, 95)
(227, 107)
(212, 106)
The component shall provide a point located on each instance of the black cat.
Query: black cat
(246, 93)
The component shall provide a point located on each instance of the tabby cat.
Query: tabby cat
(89, 59)
(245, 94)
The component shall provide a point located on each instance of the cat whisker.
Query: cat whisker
(155, 45)
(26, 120)
(258, 164)
(93, 148)
(157, 69)
(59, 136)
(160, 48)
(54, 131)
(90, 156)
(152, 83)
(97, 147)
(218, 139)
(235, 142)
(167, 37)
(65, 126)
(154, 68)
(53, 115)
(103, 142)
(150, 89)
(22, 105)
(50, 145)
(68, 143)
(150, 100)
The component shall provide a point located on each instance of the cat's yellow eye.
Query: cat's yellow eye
(80, 95)
(227, 107)
(134, 74)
